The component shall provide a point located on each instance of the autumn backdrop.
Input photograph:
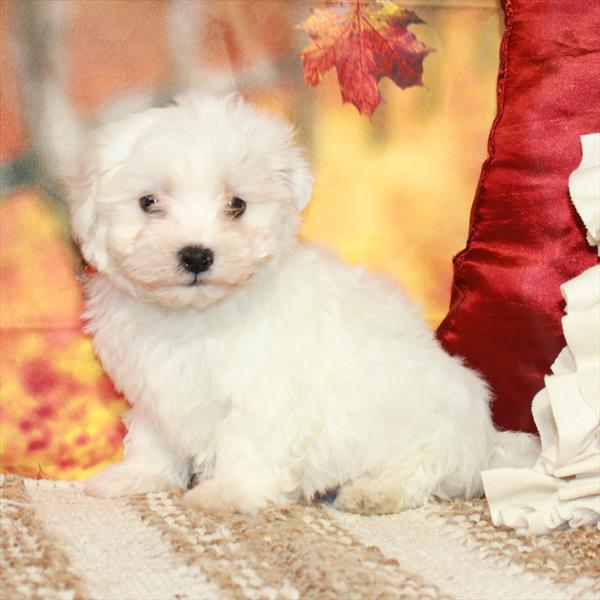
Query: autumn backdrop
(392, 191)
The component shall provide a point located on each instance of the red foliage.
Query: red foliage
(364, 40)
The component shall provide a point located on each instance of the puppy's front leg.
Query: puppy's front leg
(250, 472)
(148, 465)
(232, 494)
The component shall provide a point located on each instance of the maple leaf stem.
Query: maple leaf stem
(362, 48)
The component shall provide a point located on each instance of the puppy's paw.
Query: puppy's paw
(365, 497)
(224, 496)
(124, 479)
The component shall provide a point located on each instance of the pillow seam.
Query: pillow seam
(459, 277)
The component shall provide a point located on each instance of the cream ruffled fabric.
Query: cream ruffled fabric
(563, 487)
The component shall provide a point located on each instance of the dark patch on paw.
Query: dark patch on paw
(327, 495)
(195, 479)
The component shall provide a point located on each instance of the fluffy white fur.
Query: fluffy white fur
(285, 373)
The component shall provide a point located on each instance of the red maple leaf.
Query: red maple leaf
(364, 40)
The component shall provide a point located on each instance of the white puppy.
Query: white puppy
(261, 367)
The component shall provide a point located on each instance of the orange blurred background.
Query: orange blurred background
(393, 192)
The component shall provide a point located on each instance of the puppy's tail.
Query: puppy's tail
(514, 449)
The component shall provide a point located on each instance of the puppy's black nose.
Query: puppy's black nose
(195, 258)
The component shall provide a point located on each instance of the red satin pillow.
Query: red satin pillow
(525, 238)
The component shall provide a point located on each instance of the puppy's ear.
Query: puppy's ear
(86, 224)
(295, 173)
(89, 194)
(301, 181)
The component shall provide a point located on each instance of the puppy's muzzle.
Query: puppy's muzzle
(196, 259)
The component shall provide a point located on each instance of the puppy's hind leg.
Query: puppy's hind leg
(390, 489)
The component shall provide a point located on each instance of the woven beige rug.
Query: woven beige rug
(58, 543)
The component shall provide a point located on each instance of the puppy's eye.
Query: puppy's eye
(148, 203)
(236, 207)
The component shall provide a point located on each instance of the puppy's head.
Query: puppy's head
(182, 205)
